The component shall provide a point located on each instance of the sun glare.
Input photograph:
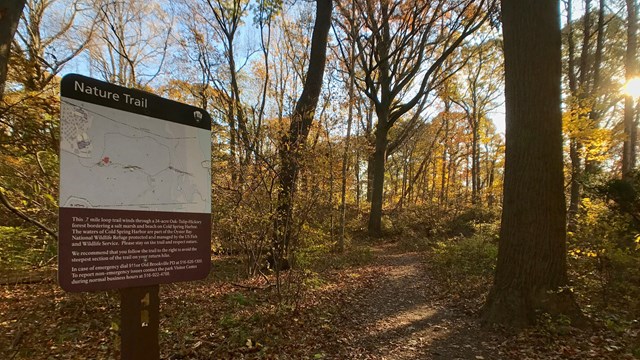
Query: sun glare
(632, 87)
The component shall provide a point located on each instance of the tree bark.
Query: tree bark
(377, 191)
(574, 195)
(591, 166)
(301, 120)
(475, 160)
(575, 186)
(630, 126)
(10, 13)
(445, 154)
(369, 194)
(597, 60)
(347, 140)
(531, 274)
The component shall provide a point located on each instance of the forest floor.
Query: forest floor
(378, 302)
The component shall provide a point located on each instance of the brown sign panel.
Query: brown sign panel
(135, 188)
(109, 249)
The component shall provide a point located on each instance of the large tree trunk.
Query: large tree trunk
(301, 119)
(10, 12)
(531, 273)
(377, 191)
(630, 126)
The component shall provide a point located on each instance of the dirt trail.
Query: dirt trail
(402, 316)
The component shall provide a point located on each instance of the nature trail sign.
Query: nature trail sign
(135, 195)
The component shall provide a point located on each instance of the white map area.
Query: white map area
(112, 159)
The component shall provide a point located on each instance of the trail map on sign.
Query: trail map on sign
(115, 159)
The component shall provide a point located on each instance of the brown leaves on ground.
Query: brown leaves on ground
(394, 307)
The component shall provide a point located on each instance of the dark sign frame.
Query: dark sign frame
(107, 248)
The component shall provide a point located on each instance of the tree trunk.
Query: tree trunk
(445, 155)
(370, 167)
(574, 143)
(383, 111)
(331, 194)
(591, 166)
(531, 273)
(345, 154)
(475, 155)
(356, 169)
(467, 174)
(368, 130)
(630, 126)
(10, 13)
(574, 194)
(492, 172)
(240, 118)
(424, 182)
(343, 186)
(231, 120)
(452, 173)
(301, 119)
(377, 191)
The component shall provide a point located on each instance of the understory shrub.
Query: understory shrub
(604, 254)
(25, 247)
(466, 223)
(466, 258)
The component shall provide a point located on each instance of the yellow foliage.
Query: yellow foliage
(576, 253)
(577, 125)
(591, 217)
(592, 211)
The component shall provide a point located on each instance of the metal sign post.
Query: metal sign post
(140, 323)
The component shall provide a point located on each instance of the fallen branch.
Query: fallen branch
(25, 281)
(40, 277)
(23, 216)
(253, 287)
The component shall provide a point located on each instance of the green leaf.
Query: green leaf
(50, 198)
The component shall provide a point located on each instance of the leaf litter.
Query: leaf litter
(393, 307)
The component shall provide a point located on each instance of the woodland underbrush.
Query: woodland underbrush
(603, 248)
(603, 257)
(460, 249)
(22, 248)
(604, 253)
